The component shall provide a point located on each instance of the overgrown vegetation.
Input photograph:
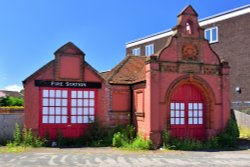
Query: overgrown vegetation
(127, 138)
(94, 136)
(225, 140)
(25, 138)
(11, 101)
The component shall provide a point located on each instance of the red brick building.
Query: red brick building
(184, 87)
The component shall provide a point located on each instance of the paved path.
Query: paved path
(108, 157)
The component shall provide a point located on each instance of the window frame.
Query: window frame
(136, 51)
(92, 106)
(210, 31)
(149, 49)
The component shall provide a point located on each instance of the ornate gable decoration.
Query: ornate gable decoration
(190, 52)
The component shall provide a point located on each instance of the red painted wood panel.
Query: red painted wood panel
(187, 112)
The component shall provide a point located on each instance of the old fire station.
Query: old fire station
(184, 88)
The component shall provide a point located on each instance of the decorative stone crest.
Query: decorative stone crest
(189, 52)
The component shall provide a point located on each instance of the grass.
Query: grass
(244, 132)
(16, 149)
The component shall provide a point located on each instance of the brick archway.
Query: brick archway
(203, 87)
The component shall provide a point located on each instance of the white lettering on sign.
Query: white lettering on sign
(75, 84)
(54, 83)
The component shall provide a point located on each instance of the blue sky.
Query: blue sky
(32, 30)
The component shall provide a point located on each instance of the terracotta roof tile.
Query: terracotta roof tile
(130, 70)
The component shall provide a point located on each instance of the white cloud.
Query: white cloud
(13, 88)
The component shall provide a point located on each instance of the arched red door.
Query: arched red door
(187, 113)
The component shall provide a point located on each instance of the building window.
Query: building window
(211, 34)
(68, 106)
(136, 51)
(177, 115)
(188, 28)
(149, 50)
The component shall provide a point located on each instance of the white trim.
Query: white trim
(206, 21)
(149, 39)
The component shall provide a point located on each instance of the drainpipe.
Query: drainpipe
(131, 104)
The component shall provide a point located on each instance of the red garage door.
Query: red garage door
(66, 111)
(187, 113)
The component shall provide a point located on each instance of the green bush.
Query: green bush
(228, 139)
(25, 138)
(126, 138)
(186, 144)
(165, 139)
(11, 101)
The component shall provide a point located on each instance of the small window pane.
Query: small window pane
(200, 121)
(172, 106)
(172, 113)
(177, 113)
(58, 119)
(182, 113)
(85, 119)
(64, 94)
(45, 102)
(79, 119)
(190, 106)
(52, 93)
(200, 114)
(195, 106)
(86, 102)
(195, 120)
(177, 121)
(207, 35)
(86, 94)
(64, 111)
(73, 111)
(58, 102)
(91, 94)
(177, 106)
(73, 94)
(73, 102)
(64, 119)
(64, 102)
(45, 93)
(91, 111)
(51, 119)
(58, 111)
(51, 102)
(182, 121)
(73, 119)
(52, 110)
(91, 103)
(79, 102)
(58, 93)
(80, 111)
(172, 121)
(45, 110)
(190, 121)
(214, 34)
(91, 119)
(195, 113)
(80, 94)
(182, 106)
(86, 111)
(45, 119)
(190, 114)
(200, 106)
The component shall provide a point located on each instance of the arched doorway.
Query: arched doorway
(187, 112)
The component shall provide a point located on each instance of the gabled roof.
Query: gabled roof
(129, 71)
(69, 48)
(188, 10)
(5, 93)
